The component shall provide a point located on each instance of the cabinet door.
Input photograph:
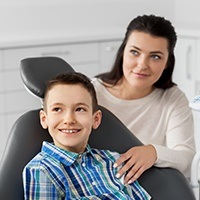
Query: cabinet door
(1, 61)
(72, 53)
(108, 52)
(198, 70)
(186, 62)
(1, 74)
(2, 117)
(2, 107)
(196, 114)
(2, 86)
(3, 134)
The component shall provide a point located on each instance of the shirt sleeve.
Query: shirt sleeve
(180, 146)
(38, 186)
(138, 192)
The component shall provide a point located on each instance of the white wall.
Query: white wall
(187, 14)
(24, 16)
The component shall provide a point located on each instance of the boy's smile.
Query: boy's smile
(69, 131)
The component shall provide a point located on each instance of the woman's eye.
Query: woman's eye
(156, 57)
(134, 52)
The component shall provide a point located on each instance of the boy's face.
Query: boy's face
(69, 116)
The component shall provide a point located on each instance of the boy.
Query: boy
(69, 168)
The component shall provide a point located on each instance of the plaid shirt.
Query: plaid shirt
(56, 174)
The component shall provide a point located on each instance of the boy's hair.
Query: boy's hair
(73, 78)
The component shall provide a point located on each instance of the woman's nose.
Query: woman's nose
(142, 63)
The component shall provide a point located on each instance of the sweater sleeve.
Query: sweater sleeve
(180, 146)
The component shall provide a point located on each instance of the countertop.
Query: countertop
(10, 40)
(39, 38)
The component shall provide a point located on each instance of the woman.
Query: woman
(139, 90)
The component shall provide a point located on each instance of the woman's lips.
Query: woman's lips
(140, 74)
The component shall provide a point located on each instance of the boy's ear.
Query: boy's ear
(97, 119)
(43, 119)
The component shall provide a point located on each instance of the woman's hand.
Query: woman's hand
(136, 160)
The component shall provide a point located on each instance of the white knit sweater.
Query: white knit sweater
(163, 119)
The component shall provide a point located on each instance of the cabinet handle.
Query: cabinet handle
(109, 48)
(188, 62)
(55, 53)
(197, 87)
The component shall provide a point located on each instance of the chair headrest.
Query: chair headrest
(36, 71)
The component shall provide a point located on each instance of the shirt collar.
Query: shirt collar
(64, 156)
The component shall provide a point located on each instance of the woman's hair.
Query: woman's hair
(155, 26)
(73, 78)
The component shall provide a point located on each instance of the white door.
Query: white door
(186, 62)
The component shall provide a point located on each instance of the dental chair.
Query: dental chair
(26, 138)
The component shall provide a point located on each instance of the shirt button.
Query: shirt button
(83, 164)
(79, 156)
(94, 183)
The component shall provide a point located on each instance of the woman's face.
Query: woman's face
(144, 59)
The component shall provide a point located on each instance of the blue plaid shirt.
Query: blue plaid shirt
(56, 174)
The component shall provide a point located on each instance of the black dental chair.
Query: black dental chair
(27, 135)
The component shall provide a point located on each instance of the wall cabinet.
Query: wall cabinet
(89, 58)
(197, 72)
(185, 67)
(187, 73)
(108, 52)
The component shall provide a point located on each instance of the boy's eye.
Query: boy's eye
(56, 109)
(80, 109)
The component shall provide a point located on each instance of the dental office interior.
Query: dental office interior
(87, 34)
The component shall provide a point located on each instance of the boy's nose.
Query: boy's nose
(69, 118)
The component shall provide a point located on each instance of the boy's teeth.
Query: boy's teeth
(69, 131)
